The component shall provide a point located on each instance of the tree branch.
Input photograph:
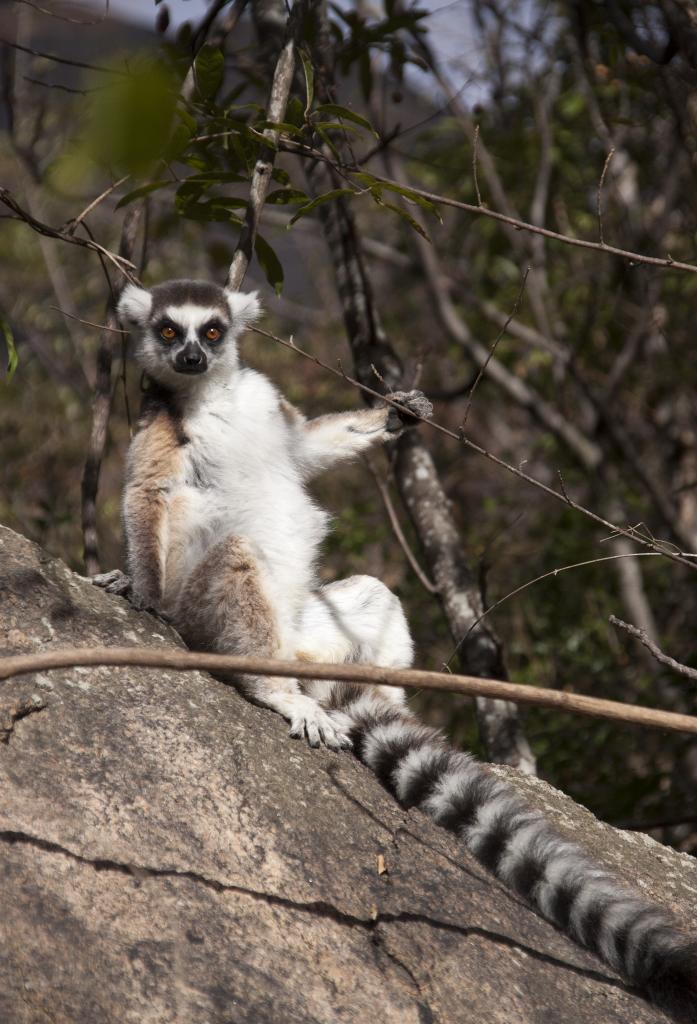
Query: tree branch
(369, 675)
(261, 178)
(665, 659)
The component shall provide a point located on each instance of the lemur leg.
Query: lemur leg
(223, 607)
(354, 620)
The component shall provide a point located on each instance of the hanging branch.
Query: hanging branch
(664, 659)
(417, 478)
(101, 404)
(369, 675)
(101, 407)
(261, 179)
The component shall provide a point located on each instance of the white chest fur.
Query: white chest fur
(240, 478)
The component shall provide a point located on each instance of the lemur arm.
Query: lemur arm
(149, 519)
(336, 437)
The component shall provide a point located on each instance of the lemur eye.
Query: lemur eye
(168, 333)
(213, 334)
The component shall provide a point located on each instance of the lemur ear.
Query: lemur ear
(134, 305)
(245, 307)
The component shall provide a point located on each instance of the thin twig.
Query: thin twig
(261, 178)
(345, 169)
(665, 659)
(398, 532)
(371, 675)
(71, 225)
(544, 576)
(101, 406)
(65, 17)
(492, 350)
(63, 60)
(123, 265)
(630, 532)
(599, 198)
(475, 154)
(88, 323)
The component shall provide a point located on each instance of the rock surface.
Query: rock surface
(168, 854)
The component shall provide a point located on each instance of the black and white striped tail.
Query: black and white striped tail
(635, 937)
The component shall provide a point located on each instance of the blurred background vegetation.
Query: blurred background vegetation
(575, 115)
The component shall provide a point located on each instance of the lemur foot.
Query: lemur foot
(118, 583)
(415, 407)
(114, 582)
(308, 719)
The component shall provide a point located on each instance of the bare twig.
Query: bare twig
(66, 17)
(89, 323)
(492, 350)
(346, 169)
(371, 675)
(475, 154)
(71, 225)
(123, 265)
(63, 60)
(101, 405)
(398, 532)
(665, 659)
(548, 575)
(261, 179)
(599, 198)
(631, 532)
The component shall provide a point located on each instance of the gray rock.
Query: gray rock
(168, 854)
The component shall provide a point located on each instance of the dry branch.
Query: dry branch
(261, 179)
(665, 659)
(683, 558)
(369, 675)
(123, 265)
(346, 169)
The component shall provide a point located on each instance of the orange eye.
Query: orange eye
(213, 334)
(168, 333)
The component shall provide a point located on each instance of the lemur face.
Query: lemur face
(187, 328)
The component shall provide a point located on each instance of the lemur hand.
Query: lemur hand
(114, 582)
(415, 406)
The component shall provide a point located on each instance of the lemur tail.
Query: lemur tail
(634, 936)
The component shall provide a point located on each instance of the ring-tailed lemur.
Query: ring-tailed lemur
(223, 538)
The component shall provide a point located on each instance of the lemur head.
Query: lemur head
(187, 329)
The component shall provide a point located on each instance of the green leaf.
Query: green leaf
(209, 68)
(295, 113)
(129, 121)
(405, 217)
(217, 209)
(278, 126)
(366, 73)
(327, 140)
(142, 190)
(280, 175)
(377, 185)
(269, 263)
(215, 177)
(309, 81)
(348, 115)
(335, 193)
(12, 357)
(336, 126)
(282, 196)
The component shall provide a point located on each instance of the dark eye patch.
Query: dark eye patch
(212, 325)
(164, 322)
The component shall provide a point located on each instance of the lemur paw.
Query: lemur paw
(118, 583)
(308, 719)
(415, 407)
(114, 582)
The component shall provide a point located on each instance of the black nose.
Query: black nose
(191, 359)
